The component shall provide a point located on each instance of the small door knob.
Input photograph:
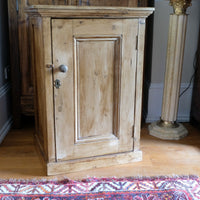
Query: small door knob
(63, 68)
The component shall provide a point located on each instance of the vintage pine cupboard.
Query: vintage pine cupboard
(88, 71)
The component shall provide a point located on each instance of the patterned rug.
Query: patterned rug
(157, 188)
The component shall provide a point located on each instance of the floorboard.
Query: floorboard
(19, 158)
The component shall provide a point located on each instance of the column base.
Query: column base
(167, 132)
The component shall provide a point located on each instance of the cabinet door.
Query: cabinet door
(94, 105)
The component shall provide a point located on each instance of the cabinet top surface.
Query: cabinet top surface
(89, 11)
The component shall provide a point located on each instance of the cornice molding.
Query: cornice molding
(89, 12)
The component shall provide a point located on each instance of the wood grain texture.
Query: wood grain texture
(93, 117)
(37, 65)
(139, 82)
(62, 44)
(25, 69)
(95, 84)
(89, 12)
(50, 135)
(93, 162)
(27, 104)
(103, 75)
(92, 99)
(128, 82)
(41, 57)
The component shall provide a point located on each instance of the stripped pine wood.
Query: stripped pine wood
(139, 83)
(97, 88)
(88, 84)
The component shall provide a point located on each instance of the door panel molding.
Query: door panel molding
(100, 81)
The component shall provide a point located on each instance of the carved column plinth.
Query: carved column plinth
(167, 127)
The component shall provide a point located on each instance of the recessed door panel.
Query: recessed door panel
(89, 115)
(97, 67)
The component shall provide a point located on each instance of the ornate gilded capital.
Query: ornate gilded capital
(180, 6)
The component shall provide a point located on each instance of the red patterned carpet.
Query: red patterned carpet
(159, 188)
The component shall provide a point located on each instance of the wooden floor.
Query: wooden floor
(20, 160)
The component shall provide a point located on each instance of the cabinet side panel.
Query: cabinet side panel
(40, 89)
(33, 30)
(127, 109)
(48, 76)
(139, 82)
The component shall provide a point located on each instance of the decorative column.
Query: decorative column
(167, 128)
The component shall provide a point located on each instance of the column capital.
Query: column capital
(180, 6)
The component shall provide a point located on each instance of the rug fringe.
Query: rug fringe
(65, 179)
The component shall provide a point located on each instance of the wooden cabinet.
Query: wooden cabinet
(88, 68)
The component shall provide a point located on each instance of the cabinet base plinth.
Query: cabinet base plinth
(167, 132)
(70, 166)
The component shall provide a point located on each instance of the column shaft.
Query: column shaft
(175, 53)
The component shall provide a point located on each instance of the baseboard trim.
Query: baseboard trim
(155, 103)
(5, 129)
(4, 89)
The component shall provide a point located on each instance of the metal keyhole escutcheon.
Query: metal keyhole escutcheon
(57, 83)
